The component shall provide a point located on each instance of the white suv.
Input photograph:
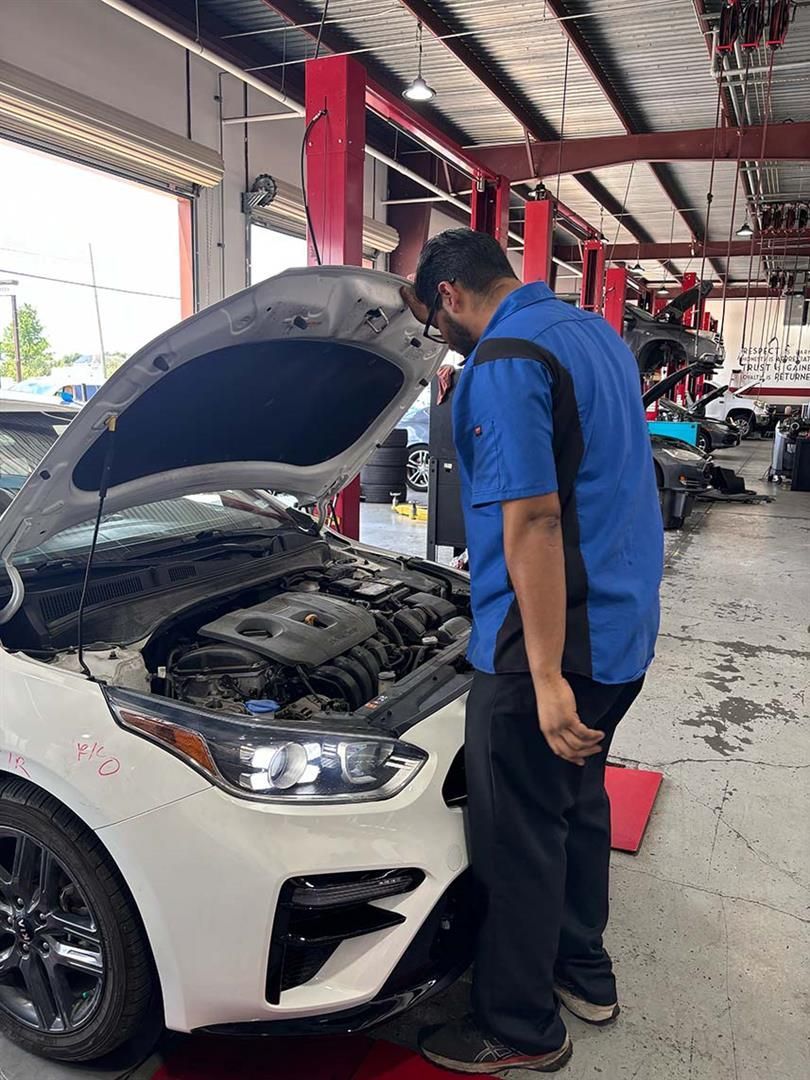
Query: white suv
(231, 749)
(746, 413)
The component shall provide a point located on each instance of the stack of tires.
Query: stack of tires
(385, 474)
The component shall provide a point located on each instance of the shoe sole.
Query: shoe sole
(544, 1063)
(596, 1015)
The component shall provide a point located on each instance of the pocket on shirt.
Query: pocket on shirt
(486, 459)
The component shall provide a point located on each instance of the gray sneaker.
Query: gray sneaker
(591, 1013)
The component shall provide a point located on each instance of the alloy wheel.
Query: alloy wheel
(52, 967)
(742, 424)
(418, 467)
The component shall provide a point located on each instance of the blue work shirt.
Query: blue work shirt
(567, 418)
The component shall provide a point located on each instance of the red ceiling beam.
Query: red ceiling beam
(396, 111)
(718, 249)
(786, 142)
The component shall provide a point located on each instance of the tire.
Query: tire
(398, 437)
(417, 466)
(382, 475)
(704, 441)
(392, 456)
(85, 904)
(375, 493)
(743, 422)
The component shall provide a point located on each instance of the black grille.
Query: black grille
(316, 914)
(58, 605)
(181, 573)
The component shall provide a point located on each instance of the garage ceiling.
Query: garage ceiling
(628, 66)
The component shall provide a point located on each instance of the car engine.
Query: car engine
(330, 642)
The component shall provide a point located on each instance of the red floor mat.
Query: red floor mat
(219, 1058)
(388, 1062)
(632, 795)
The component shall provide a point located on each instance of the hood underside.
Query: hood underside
(288, 385)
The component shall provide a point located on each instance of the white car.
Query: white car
(231, 753)
(747, 414)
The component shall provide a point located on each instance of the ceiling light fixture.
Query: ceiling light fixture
(637, 268)
(418, 89)
(663, 291)
(745, 229)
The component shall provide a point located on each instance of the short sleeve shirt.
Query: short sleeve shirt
(549, 401)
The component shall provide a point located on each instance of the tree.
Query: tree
(35, 350)
(114, 361)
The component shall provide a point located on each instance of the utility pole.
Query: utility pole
(10, 286)
(98, 312)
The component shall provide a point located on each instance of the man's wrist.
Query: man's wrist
(546, 679)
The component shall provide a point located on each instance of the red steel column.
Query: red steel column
(689, 281)
(615, 297)
(186, 258)
(490, 208)
(335, 152)
(659, 303)
(593, 275)
(538, 232)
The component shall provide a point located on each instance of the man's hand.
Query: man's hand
(420, 310)
(565, 733)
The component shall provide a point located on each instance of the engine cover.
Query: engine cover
(306, 629)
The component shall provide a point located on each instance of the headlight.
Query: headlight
(681, 455)
(271, 762)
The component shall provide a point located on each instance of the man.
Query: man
(565, 549)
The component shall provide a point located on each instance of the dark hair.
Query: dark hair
(472, 259)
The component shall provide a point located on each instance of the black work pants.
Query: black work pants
(539, 834)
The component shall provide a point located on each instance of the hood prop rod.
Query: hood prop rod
(110, 423)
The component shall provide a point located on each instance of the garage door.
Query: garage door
(44, 114)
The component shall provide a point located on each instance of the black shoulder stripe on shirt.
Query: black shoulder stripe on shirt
(569, 448)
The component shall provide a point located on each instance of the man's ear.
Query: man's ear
(452, 297)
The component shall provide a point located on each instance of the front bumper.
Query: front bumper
(207, 873)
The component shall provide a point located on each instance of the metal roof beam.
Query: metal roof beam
(785, 142)
(390, 107)
(569, 27)
(779, 248)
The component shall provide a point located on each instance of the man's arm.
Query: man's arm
(535, 560)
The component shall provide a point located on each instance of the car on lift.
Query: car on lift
(662, 340)
(711, 435)
(230, 739)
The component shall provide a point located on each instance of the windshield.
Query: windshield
(141, 530)
(25, 438)
(36, 386)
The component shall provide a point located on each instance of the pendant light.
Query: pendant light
(663, 291)
(745, 230)
(418, 89)
(637, 268)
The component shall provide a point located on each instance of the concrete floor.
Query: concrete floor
(710, 921)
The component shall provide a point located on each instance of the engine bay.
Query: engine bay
(329, 639)
(332, 642)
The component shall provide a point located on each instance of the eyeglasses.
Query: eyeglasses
(430, 324)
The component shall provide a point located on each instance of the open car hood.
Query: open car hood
(288, 385)
(684, 302)
(699, 407)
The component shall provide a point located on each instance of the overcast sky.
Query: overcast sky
(50, 211)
